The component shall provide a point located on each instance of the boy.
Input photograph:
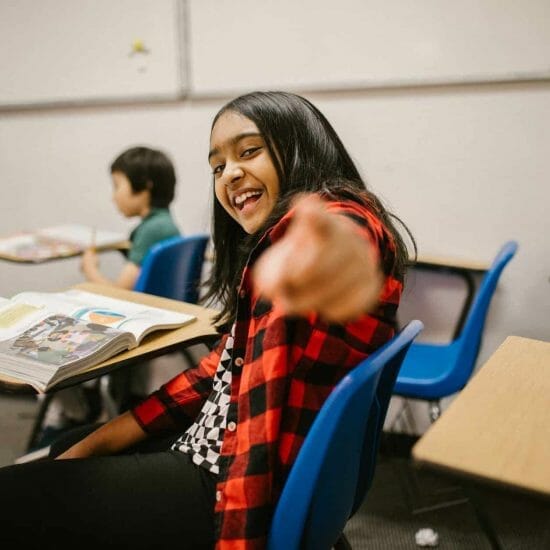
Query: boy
(143, 185)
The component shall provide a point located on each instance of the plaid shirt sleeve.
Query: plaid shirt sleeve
(179, 401)
(371, 229)
(283, 370)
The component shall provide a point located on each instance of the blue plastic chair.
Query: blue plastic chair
(172, 268)
(335, 466)
(433, 371)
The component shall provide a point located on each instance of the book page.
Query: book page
(57, 340)
(55, 347)
(137, 319)
(16, 318)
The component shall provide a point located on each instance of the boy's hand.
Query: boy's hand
(89, 263)
(321, 265)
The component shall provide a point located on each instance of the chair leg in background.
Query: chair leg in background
(420, 499)
(434, 410)
(45, 400)
(109, 404)
(483, 518)
(404, 419)
(188, 356)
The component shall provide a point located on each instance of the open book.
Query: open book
(48, 337)
(57, 242)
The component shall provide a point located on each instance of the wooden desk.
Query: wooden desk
(153, 345)
(467, 270)
(498, 428)
(120, 246)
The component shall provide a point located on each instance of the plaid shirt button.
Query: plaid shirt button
(239, 361)
(218, 496)
(232, 426)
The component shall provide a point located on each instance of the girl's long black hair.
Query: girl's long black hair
(309, 157)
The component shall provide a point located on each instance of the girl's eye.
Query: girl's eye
(250, 151)
(217, 170)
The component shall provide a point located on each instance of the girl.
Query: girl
(308, 288)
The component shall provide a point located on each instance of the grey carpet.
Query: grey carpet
(398, 505)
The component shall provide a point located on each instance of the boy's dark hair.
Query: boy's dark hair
(309, 157)
(148, 169)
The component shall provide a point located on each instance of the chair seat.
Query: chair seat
(429, 372)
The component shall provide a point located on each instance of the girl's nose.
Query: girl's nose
(234, 173)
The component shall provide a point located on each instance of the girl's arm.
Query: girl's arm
(333, 270)
(181, 396)
(111, 438)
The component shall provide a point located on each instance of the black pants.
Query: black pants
(146, 498)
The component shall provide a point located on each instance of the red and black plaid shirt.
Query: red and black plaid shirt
(283, 370)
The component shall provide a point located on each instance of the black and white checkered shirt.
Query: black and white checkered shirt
(203, 439)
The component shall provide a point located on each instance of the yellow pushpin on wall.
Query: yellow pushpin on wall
(138, 46)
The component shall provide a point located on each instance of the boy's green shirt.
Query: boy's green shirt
(155, 227)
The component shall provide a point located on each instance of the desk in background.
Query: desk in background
(498, 426)
(495, 438)
(122, 247)
(58, 242)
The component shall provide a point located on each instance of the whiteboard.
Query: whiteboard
(328, 44)
(67, 51)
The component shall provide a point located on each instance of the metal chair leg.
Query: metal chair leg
(434, 410)
(188, 356)
(107, 399)
(45, 400)
(483, 518)
(404, 418)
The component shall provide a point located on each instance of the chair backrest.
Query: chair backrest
(469, 339)
(172, 268)
(335, 466)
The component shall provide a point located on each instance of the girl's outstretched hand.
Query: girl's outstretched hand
(320, 265)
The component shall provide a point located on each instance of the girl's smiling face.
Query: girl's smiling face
(246, 181)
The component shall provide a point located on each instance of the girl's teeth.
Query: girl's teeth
(241, 198)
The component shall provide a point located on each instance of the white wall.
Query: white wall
(465, 166)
